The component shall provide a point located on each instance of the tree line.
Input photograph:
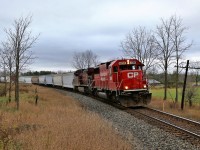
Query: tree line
(37, 73)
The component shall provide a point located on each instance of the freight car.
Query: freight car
(35, 80)
(59, 80)
(49, 80)
(25, 79)
(67, 80)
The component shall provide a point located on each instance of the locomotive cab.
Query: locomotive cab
(127, 75)
(128, 82)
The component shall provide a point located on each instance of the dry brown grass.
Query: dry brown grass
(58, 122)
(169, 106)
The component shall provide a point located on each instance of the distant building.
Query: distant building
(153, 82)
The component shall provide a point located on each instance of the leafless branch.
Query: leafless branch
(84, 60)
(140, 44)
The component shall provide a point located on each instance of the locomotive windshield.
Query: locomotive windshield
(130, 67)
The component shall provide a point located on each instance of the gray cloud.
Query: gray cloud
(68, 26)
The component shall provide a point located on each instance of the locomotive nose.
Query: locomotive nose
(132, 80)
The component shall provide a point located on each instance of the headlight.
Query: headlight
(145, 86)
(126, 87)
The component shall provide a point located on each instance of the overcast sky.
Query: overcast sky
(66, 26)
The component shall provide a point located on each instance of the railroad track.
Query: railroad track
(183, 128)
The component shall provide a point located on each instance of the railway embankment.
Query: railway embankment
(141, 134)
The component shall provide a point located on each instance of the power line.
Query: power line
(188, 67)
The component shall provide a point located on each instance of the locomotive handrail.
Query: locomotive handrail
(119, 87)
(120, 84)
(90, 84)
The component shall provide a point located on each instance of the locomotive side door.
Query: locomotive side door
(113, 77)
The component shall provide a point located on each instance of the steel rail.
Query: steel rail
(179, 117)
(172, 125)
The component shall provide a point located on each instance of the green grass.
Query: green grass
(171, 92)
(159, 93)
(3, 100)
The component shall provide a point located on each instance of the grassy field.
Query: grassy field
(57, 122)
(170, 106)
(171, 94)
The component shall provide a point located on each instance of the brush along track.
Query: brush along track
(181, 127)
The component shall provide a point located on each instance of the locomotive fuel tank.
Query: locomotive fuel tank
(102, 95)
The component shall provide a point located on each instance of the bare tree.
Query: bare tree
(78, 60)
(21, 41)
(140, 44)
(83, 60)
(95, 59)
(191, 94)
(165, 46)
(8, 61)
(180, 44)
(3, 66)
(195, 67)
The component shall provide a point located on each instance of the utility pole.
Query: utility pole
(184, 85)
(185, 80)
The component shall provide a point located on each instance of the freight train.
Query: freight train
(118, 80)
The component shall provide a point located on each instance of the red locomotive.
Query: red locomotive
(119, 80)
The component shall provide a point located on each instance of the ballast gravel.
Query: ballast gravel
(140, 134)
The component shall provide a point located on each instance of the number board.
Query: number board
(122, 63)
(132, 62)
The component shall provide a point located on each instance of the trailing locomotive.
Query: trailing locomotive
(118, 80)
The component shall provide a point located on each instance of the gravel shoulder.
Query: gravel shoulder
(140, 134)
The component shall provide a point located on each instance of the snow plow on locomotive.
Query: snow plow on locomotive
(118, 80)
